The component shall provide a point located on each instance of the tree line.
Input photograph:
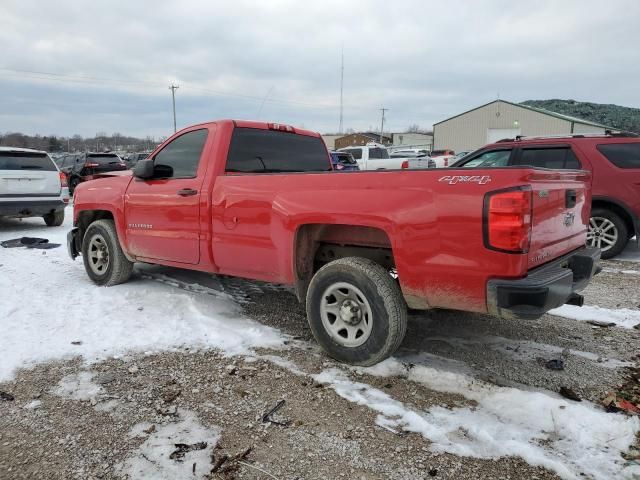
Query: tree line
(99, 143)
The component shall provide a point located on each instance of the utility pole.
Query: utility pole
(341, 87)
(173, 89)
(382, 123)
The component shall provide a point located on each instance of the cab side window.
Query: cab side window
(555, 158)
(491, 158)
(180, 158)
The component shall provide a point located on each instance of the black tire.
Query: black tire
(73, 183)
(383, 298)
(598, 215)
(117, 269)
(54, 219)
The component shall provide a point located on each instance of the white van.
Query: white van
(31, 185)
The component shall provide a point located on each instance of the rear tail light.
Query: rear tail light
(405, 164)
(339, 166)
(507, 220)
(63, 179)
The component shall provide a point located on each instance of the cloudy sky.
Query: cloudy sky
(73, 66)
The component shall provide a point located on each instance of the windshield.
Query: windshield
(26, 161)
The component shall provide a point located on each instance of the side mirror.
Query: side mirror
(143, 169)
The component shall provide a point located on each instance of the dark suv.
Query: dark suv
(79, 167)
(613, 159)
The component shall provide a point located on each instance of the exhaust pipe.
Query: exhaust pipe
(575, 299)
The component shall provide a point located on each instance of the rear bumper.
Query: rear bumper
(544, 288)
(30, 208)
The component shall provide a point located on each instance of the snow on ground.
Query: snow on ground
(49, 302)
(152, 459)
(544, 429)
(622, 317)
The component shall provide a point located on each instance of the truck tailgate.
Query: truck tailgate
(560, 213)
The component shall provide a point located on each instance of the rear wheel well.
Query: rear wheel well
(318, 244)
(618, 210)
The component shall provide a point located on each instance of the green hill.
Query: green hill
(622, 118)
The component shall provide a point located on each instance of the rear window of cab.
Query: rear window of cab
(254, 150)
(622, 155)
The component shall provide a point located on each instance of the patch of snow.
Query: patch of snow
(54, 303)
(78, 386)
(151, 460)
(32, 405)
(567, 437)
(622, 317)
(526, 349)
(625, 272)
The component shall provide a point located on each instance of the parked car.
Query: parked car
(343, 161)
(79, 167)
(613, 159)
(134, 158)
(459, 156)
(373, 156)
(409, 153)
(258, 200)
(31, 186)
(443, 158)
(419, 163)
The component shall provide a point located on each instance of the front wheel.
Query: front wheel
(356, 311)
(102, 255)
(608, 232)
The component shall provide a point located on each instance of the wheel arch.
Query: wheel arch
(87, 217)
(617, 207)
(318, 244)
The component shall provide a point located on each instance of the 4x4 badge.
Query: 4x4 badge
(453, 179)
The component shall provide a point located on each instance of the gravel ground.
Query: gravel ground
(53, 433)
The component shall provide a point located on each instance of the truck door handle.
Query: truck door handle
(570, 198)
(187, 192)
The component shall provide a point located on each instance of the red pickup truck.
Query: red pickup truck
(260, 200)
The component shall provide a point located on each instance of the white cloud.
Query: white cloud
(423, 60)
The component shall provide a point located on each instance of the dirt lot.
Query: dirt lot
(121, 417)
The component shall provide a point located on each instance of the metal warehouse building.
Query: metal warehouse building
(501, 119)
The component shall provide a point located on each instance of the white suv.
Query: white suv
(31, 186)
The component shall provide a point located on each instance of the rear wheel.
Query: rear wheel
(54, 219)
(608, 232)
(102, 255)
(356, 311)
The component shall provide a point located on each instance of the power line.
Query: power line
(58, 77)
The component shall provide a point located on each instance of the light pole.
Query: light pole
(382, 124)
(173, 89)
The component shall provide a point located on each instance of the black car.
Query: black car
(79, 167)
